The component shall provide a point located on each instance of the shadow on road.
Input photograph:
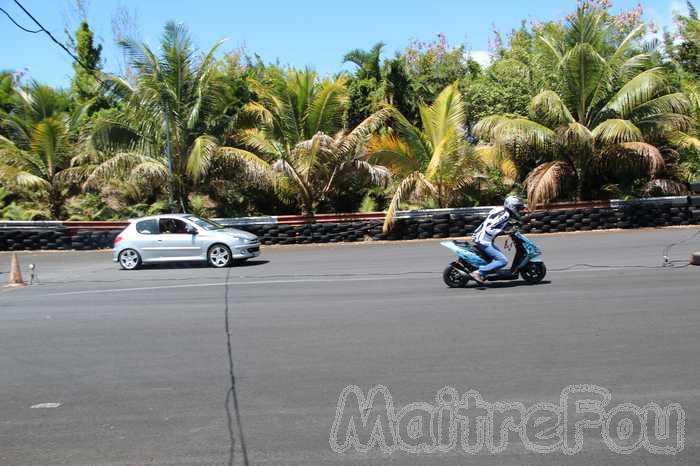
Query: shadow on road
(502, 284)
(199, 265)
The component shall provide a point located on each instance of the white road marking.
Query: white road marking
(198, 285)
(292, 281)
(45, 405)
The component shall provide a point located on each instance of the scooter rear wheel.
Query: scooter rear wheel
(534, 272)
(454, 278)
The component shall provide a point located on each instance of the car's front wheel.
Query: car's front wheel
(219, 256)
(129, 259)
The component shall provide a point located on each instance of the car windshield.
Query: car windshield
(205, 223)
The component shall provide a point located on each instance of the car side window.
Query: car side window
(147, 227)
(172, 226)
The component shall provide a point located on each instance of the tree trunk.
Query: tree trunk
(55, 202)
(579, 183)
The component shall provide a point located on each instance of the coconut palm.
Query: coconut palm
(367, 61)
(432, 162)
(612, 113)
(299, 130)
(37, 154)
(161, 134)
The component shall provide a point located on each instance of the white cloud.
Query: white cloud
(482, 57)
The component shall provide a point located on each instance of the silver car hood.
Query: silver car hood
(236, 233)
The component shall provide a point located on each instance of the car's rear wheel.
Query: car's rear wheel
(219, 256)
(129, 259)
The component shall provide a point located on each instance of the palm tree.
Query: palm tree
(430, 163)
(161, 134)
(367, 61)
(299, 129)
(610, 114)
(37, 155)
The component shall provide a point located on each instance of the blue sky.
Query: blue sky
(316, 33)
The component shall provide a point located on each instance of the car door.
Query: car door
(147, 239)
(176, 242)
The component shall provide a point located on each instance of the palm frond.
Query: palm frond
(260, 142)
(393, 153)
(260, 112)
(200, 157)
(325, 112)
(484, 128)
(444, 116)
(491, 157)
(547, 108)
(641, 154)
(662, 124)
(365, 129)
(114, 166)
(526, 133)
(150, 171)
(684, 141)
(575, 137)
(379, 175)
(254, 167)
(404, 191)
(30, 180)
(666, 186)
(676, 102)
(584, 69)
(615, 131)
(544, 183)
(638, 91)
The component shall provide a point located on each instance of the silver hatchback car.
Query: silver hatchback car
(182, 237)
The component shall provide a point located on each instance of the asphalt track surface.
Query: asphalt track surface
(138, 359)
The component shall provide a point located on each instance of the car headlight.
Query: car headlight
(242, 240)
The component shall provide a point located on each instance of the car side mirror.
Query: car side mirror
(192, 230)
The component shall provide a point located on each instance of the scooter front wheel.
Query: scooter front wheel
(533, 272)
(454, 278)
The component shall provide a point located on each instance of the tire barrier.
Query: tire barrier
(445, 225)
(54, 238)
(415, 225)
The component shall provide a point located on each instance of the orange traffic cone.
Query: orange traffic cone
(15, 273)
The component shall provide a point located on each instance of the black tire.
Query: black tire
(129, 259)
(534, 272)
(219, 256)
(453, 278)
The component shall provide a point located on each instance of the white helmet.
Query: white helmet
(515, 205)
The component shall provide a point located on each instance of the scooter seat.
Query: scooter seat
(474, 247)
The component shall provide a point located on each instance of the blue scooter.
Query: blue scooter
(526, 263)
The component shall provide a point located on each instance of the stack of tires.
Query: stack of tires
(694, 203)
(313, 232)
(654, 215)
(570, 220)
(426, 228)
(87, 240)
(27, 240)
(441, 225)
